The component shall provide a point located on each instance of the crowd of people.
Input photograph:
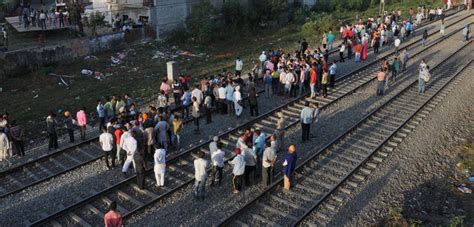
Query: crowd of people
(30, 17)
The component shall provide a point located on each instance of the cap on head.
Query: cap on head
(216, 138)
(292, 148)
(237, 150)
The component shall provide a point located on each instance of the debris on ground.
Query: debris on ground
(115, 61)
(158, 54)
(91, 58)
(224, 55)
(87, 72)
(99, 75)
(189, 53)
(36, 96)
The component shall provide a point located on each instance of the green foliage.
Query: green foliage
(456, 221)
(234, 14)
(298, 16)
(318, 24)
(202, 23)
(96, 19)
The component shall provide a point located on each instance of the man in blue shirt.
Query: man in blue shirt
(229, 96)
(185, 103)
(101, 113)
(306, 119)
(330, 39)
(258, 147)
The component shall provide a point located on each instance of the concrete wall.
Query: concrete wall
(21, 61)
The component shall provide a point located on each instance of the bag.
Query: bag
(427, 76)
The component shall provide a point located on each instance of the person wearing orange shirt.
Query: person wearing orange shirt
(358, 50)
(313, 78)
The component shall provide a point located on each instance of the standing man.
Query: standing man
(306, 118)
(289, 165)
(4, 145)
(332, 74)
(404, 58)
(380, 81)
(16, 132)
(253, 101)
(217, 158)
(239, 64)
(82, 121)
(330, 39)
(238, 171)
(423, 70)
(160, 166)
(313, 79)
(139, 169)
(268, 163)
(129, 144)
(395, 69)
(118, 136)
(425, 37)
(465, 32)
(101, 113)
(200, 175)
(106, 141)
(51, 129)
(208, 107)
(69, 125)
(113, 218)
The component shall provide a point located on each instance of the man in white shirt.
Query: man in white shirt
(200, 175)
(397, 44)
(217, 159)
(198, 94)
(213, 146)
(130, 146)
(239, 64)
(268, 163)
(262, 58)
(160, 166)
(106, 141)
(282, 78)
(238, 171)
(289, 80)
(222, 103)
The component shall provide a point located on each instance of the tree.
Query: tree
(75, 14)
(233, 13)
(202, 22)
(96, 19)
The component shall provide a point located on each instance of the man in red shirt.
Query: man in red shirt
(113, 218)
(358, 50)
(313, 78)
(118, 134)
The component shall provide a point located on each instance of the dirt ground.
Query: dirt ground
(30, 97)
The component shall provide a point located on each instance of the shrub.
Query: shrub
(96, 19)
(318, 24)
(233, 14)
(202, 23)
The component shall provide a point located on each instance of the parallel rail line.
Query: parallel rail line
(180, 167)
(348, 159)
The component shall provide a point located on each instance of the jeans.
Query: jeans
(332, 79)
(199, 189)
(207, 112)
(43, 24)
(421, 85)
(287, 89)
(357, 56)
(423, 42)
(254, 109)
(112, 156)
(237, 182)
(184, 109)
(19, 147)
(313, 90)
(268, 90)
(250, 177)
(70, 131)
(83, 131)
(101, 123)
(302, 88)
(325, 90)
(380, 87)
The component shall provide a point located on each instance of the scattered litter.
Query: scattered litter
(77, 98)
(158, 54)
(87, 72)
(99, 75)
(224, 55)
(36, 96)
(121, 55)
(134, 69)
(115, 61)
(464, 189)
(58, 75)
(189, 53)
(90, 57)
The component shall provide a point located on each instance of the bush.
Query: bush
(318, 24)
(233, 14)
(203, 23)
(96, 19)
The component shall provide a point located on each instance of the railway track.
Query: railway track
(54, 164)
(180, 168)
(350, 158)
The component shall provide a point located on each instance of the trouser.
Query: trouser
(288, 89)
(196, 122)
(341, 56)
(281, 89)
(267, 176)
(268, 90)
(216, 175)
(119, 155)
(376, 49)
(127, 163)
(466, 37)
(286, 182)
(43, 24)
(160, 178)
(53, 140)
(230, 106)
(175, 140)
(421, 85)
(177, 101)
(141, 179)
(184, 109)
(332, 80)
(325, 90)
(207, 112)
(61, 22)
(394, 75)
(380, 87)
(293, 90)
(19, 147)
(112, 156)
(423, 42)
(101, 123)
(253, 109)
(357, 56)
(305, 128)
(70, 131)
(330, 46)
(302, 88)
(349, 52)
(222, 106)
(200, 189)
(83, 131)
(250, 178)
(275, 85)
(237, 182)
(313, 90)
